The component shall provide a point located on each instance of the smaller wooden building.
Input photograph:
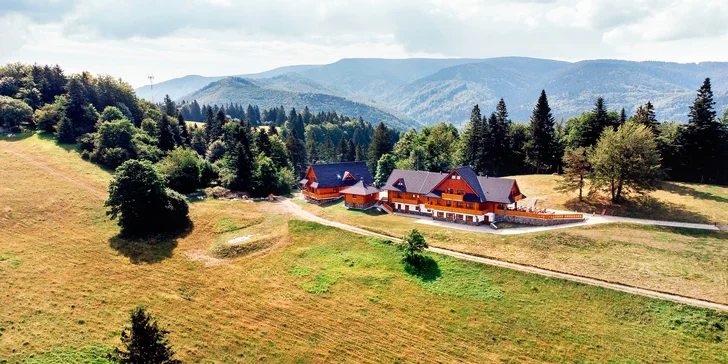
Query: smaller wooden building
(360, 196)
(324, 182)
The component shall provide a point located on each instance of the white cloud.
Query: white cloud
(171, 38)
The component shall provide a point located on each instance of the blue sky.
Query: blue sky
(134, 38)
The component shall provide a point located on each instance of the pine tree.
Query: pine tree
(360, 154)
(263, 144)
(144, 341)
(66, 132)
(169, 106)
(495, 141)
(342, 149)
(166, 134)
(350, 151)
(541, 144)
(329, 152)
(272, 130)
(213, 131)
(296, 151)
(195, 112)
(471, 139)
(622, 117)
(597, 122)
(381, 144)
(184, 131)
(645, 115)
(704, 135)
(576, 171)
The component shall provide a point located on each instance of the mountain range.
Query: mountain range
(414, 92)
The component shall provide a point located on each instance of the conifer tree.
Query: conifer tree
(329, 151)
(495, 141)
(296, 151)
(311, 147)
(169, 106)
(350, 151)
(381, 144)
(596, 123)
(263, 144)
(342, 149)
(166, 134)
(66, 131)
(144, 341)
(360, 153)
(645, 115)
(184, 131)
(541, 144)
(704, 135)
(471, 139)
(622, 117)
(272, 130)
(576, 171)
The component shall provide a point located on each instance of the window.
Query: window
(449, 190)
(468, 218)
(414, 196)
(399, 195)
(460, 192)
(417, 208)
(469, 205)
(452, 177)
(459, 204)
(353, 197)
(447, 203)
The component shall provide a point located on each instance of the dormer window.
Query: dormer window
(348, 176)
(399, 182)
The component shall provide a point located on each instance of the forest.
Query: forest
(266, 151)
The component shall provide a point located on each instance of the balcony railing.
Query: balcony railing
(454, 209)
(321, 196)
(540, 215)
(404, 200)
(452, 196)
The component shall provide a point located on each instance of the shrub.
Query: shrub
(181, 170)
(13, 113)
(216, 151)
(414, 244)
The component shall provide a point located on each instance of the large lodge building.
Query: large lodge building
(458, 196)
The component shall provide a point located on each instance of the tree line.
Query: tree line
(266, 151)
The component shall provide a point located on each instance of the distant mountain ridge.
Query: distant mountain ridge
(266, 93)
(433, 90)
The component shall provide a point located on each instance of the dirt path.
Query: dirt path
(299, 212)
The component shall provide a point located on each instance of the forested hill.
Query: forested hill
(292, 91)
(433, 90)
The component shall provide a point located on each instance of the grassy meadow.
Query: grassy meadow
(676, 201)
(683, 261)
(291, 291)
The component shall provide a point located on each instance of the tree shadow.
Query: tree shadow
(693, 233)
(423, 267)
(149, 249)
(68, 147)
(15, 138)
(684, 190)
(644, 207)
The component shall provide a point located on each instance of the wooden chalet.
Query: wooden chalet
(325, 182)
(458, 196)
(360, 196)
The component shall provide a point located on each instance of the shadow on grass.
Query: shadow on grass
(422, 267)
(693, 233)
(68, 147)
(644, 207)
(15, 138)
(149, 249)
(684, 190)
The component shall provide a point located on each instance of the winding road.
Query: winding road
(299, 212)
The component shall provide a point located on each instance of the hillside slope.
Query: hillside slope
(268, 93)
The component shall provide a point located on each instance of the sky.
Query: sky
(132, 39)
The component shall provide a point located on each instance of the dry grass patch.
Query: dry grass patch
(677, 201)
(320, 295)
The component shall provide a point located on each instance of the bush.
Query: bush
(181, 170)
(111, 113)
(216, 151)
(13, 113)
(208, 173)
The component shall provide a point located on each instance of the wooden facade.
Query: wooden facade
(457, 196)
(324, 183)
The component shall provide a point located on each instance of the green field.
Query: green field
(294, 292)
